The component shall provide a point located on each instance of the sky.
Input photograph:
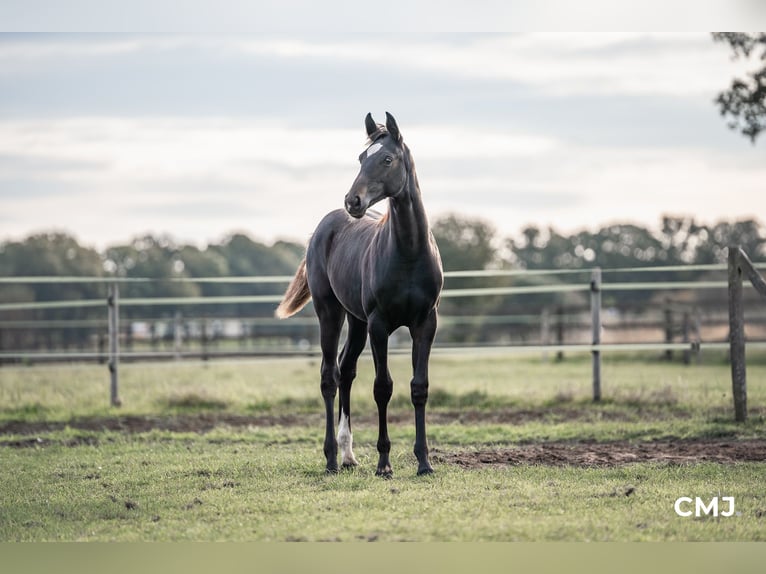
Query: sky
(113, 136)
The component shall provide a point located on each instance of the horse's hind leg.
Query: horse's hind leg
(330, 315)
(357, 336)
(422, 339)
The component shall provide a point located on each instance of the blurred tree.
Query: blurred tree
(204, 263)
(154, 258)
(55, 254)
(464, 243)
(290, 252)
(749, 234)
(247, 257)
(745, 100)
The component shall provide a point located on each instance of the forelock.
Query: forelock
(377, 134)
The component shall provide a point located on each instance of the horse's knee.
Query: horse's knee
(419, 392)
(382, 391)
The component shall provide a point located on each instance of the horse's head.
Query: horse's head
(383, 171)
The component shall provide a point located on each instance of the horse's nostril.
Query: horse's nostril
(357, 201)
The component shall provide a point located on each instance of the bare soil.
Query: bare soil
(617, 453)
(206, 421)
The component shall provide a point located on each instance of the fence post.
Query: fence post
(595, 314)
(697, 328)
(668, 326)
(204, 339)
(560, 332)
(545, 330)
(739, 264)
(113, 303)
(177, 334)
(685, 333)
(737, 336)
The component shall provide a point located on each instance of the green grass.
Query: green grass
(266, 481)
(265, 486)
(290, 385)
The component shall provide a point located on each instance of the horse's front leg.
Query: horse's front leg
(383, 389)
(422, 339)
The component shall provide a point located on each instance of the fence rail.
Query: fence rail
(446, 294)
(595, 284)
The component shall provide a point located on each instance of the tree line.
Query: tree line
(465, 243)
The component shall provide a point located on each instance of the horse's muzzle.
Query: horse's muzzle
(354, 206)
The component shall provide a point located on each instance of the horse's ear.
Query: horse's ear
(392, 128)
(370, 125)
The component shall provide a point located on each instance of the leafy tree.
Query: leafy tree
(464, 243)
(44, 254)
(204, 263)
(745, 100)
(749, 234)
(54, 254)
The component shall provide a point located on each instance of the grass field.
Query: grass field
(233, 451)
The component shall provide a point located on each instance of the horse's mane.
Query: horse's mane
(377, 216)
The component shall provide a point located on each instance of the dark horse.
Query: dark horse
(379, 273)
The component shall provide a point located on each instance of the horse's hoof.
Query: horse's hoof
(331, 470)
(385, 472)
(349, 465)
(425, 470)
(349, 461)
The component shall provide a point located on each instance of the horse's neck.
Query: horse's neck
(407, 219)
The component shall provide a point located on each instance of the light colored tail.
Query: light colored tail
(297, 294)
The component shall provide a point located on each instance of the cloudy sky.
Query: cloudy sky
(111, 136)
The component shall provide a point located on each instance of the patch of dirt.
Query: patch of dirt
(202, 422)
(199, 423)
(205, 422)
(604, 454)
(41, 442)
(581, 454)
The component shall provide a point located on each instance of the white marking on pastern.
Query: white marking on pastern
(346, 441)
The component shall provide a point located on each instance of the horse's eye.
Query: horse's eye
(389, 160)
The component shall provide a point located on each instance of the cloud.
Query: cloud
(98, 148)
(556, 64)
(113, 135)
(111, 177)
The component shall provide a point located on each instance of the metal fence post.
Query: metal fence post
(113, 303)
(668, 326)
(545, 330)
(177, 335)
(560, 332)
(595, 314)
(737, 336)
(685, 334)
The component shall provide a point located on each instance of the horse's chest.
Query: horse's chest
(404, 295)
